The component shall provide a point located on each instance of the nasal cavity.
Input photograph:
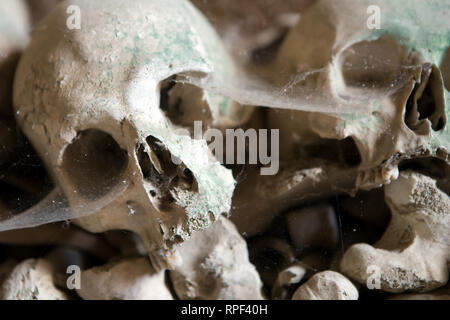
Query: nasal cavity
(159, 167)
(426, 104)
(94, 163)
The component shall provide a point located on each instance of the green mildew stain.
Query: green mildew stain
(134, 51)
(419, 25)
(364, 141)
(364, 123)
(219, 103)
(175, 35)
(154, 35)
(223, 106)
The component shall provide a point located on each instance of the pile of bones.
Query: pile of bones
(107, 193)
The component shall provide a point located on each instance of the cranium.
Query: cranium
(89, 101)
(392, 71)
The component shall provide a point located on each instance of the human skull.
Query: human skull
(331, 60)
(396, 75)
(89, 101)
(390, 74)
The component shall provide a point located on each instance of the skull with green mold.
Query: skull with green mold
(384, 61)
(101, 105)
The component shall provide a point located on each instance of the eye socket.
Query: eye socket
(374, 64)
(94, 163)
(184, 103)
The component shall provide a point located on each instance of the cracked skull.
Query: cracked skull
(100, 105)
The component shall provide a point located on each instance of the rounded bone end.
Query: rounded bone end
(32, 279)
(327, 285)
(395, 272)
(129, 279)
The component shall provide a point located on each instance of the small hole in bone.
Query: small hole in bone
(178, 239)
(184, 103)
(426, 102)
(188, 176)
(373, 63)
(94, 163)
